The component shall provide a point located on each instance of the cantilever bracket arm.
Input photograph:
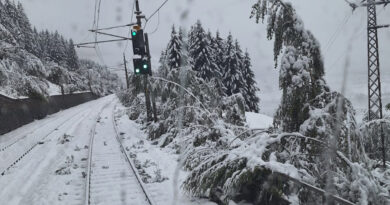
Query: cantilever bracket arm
(97, 42)
(385, 2)
(109, 34)
(113, 27)
(379, 26)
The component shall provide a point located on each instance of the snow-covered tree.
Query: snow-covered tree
(251, 89)
(44, 42)
(29, 59)
(174, 50)
(26, 33)
(72, 58)
(334, 156)
(301, 70)
(201, 53)
(233, 78)
(59, 49)
(218, 45)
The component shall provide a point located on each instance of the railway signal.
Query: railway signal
(138, 40)
(141, 66)
(141, 61)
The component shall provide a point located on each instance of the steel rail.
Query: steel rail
(90, 147)
(148, 197)
(123, 151)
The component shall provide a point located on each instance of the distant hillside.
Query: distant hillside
(41, 63)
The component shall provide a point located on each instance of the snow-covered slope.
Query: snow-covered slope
(258, 121)
(36, 64)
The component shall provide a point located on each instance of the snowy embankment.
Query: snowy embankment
(158, 167)
(258, 121)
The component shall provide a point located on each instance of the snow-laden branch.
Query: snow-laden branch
(260, 131)
(299, 135)
(315, 189)
(187, 91)
(197, 108)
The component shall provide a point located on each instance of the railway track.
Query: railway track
(111, 176)
(37, 142)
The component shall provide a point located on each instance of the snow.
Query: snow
(53, 172)
(112, 180)
(258, 121)
(54, 89)
(155, 161)
(33, 180)
(13, 96)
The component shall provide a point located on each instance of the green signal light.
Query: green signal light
(134, 33)
(137, 70)
(145, 66)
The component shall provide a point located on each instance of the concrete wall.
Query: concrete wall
(15, 113)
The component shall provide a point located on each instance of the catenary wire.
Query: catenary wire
(158, 24)
(357, 34)
(154, 13)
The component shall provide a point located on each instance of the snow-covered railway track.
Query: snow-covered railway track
(112, 177)
(37, 142)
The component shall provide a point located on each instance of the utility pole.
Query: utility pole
(150, 63)
(375, 107)
(126, 74)
(146, 89)
(374, 81)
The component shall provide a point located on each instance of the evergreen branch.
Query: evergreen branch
(186, 90)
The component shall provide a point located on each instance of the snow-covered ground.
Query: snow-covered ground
(158, 167)
(45, 162)
(51, 173)
(258, 121)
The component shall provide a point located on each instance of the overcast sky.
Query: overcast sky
(342, 35)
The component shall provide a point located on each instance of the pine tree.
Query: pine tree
(45, 43)
(214, 52)
(173, 53)
(232, 77)
(250, 92)
(64, 47)
(25, 31)
(219, 51)
(57, 49)
(8, 20)
(72, 59)
(201, 54)
(38, 51)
